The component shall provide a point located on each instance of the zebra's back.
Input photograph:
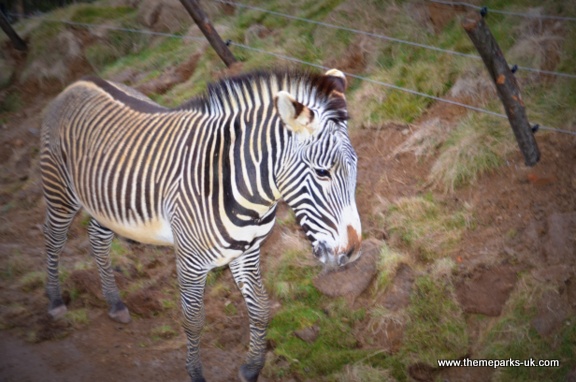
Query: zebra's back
(122, 155)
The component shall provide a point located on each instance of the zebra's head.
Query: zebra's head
(319, 181)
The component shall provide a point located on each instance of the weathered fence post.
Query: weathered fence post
(17, 42)
(506, 85)
(207, 28)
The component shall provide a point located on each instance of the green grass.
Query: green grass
(335, 346)
(436, 327)
(124, 260)
(164, 331)
(13, 266)
(32, 281)
(78, 317)
(169, 304)
(426, 226)
(93, 14)
(145, 54)
(291, 278)
(388, 263)
(304, 307)
(230, 309)
(360, 372)
(513, 336)
(552, 105)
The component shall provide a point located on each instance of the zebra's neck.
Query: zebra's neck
(254, 90)
(245, 120)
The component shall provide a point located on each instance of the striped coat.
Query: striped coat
(204, 177)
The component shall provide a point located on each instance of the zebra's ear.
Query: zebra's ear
(296, 116)
(339, 79)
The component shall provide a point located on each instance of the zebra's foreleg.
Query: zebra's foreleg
(56, 226)
(100, 243)
(192, 284)
(246, 272)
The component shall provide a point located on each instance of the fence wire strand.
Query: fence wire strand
(395, 87)
(108, 27)
(299, 61)
(508, 13)
(385, 37)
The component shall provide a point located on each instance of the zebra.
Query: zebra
(206, 178)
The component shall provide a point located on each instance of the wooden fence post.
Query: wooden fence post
(506, 85)
(207, 28)
(17, 42)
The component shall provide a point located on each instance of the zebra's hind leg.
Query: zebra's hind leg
(100, 243)
(246, 272)
(58, 220)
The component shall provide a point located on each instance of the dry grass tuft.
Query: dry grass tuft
(539, 42)
(359, 372)
(424, 226)
(473, 87)
(425, 141)
(476, 146)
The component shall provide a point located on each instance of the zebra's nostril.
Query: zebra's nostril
(350, 252)
(320, 250)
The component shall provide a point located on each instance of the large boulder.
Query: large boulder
(354, 278)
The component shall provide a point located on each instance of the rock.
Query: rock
(308, 334)
(553, 310)
(422, 372)
(559, 242)
(555, 274)
(468, 374)
(145, 302)
(487, 291)
(352, 279)
(87, 281)
(398, 295)
(389, 336)
(163, 16)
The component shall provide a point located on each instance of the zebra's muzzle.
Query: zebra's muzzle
(323, 253)
(344, 258)
(331, 259)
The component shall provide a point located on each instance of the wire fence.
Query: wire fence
(385, 37)
(395, 87)
(307, 63)
(507, 13)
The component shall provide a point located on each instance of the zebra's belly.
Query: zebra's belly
(155, 231)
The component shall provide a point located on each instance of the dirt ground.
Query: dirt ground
(525, 221)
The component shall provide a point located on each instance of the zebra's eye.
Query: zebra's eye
(323, 173)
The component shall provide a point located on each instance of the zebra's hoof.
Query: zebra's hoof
(58, 312)
(248, 375)
(122, 315)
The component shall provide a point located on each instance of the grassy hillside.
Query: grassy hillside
(426, 229)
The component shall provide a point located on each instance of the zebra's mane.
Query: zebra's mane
(318, 89)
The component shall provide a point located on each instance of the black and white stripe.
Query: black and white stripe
(204, 177)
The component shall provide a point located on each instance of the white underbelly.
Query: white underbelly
(156, 231)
